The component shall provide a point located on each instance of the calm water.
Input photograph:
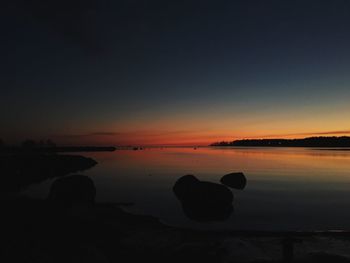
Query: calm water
(287, 189)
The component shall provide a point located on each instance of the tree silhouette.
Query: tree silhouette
(31, 144)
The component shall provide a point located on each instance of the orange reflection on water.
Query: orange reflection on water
(257, 163)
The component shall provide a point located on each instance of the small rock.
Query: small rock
(234, 180)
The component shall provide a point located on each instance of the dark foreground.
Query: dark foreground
(37, 231)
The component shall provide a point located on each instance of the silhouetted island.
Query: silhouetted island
(20, 170)
(343, 141)
(58, 149)
(48, 146)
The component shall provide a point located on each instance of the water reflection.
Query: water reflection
(289, 188)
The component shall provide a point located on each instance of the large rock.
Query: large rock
(183, 187)
(203, 201)
(74, 189)
(234, 180)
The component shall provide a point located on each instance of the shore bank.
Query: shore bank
(106, 233)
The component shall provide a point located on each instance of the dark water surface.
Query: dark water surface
(287, 189)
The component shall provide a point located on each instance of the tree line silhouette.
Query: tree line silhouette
(343, 141)
(30, 143)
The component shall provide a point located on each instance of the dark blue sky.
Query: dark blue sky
(203, 70)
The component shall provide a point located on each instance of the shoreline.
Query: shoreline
(58, 149)
(324, 142)
(282, 146)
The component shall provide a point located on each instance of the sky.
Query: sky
(173, 72)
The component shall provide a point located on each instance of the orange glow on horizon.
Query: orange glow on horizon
(150, 138)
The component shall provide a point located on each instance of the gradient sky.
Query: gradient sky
(173, 72)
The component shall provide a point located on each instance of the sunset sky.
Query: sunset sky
(174, 72)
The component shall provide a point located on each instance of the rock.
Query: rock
(184, 186)
(74, 189)
(234, 180)
(203, 201)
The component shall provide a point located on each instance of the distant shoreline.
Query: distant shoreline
(59, 149)
(310, 142)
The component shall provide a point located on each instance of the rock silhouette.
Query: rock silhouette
(234, 180)
(74, 189)
(203, 201)
(21, 170)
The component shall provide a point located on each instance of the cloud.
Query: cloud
(139, 137)
(128, 134)
(102, 133)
